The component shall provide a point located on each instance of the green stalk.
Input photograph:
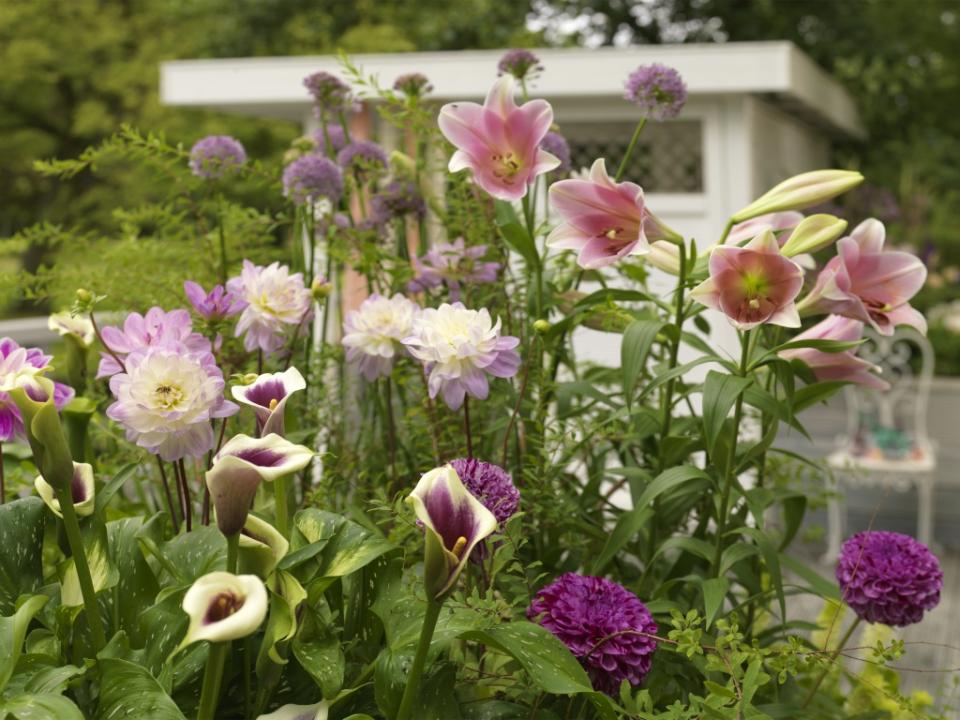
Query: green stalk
(72, 527)
(674, 353)
(212, 678)
(412, 689)
(280, 506)
(223, 241)
(630, 148)
(233, 552)
(528, 219)
(833, 657)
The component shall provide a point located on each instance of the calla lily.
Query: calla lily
(454, 520)
(268, 395)
(801, 191)
(843, 366)
(605, 220)
(499, 141)
(752, 285)
(865, 283)
(239, 468)
(261, 547)
(35, 399)
(318, 711)
(81, 489)
(223, 606)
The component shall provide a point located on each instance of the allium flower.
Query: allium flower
(216, 156)
(658, 90)
(223, 606)
(499, 141)
(520, 63)
(888, 578)
(67, 325)
(413, 84)
(166, 398)
(338, 138)
(490, 484)
(19, 366)
(373, 333)
(459, 348)
(157, 327)
(82, 489)
(752, 285)
(268, 395)
(361, 157)
(397, 199)
(311, 178)
(451, 264)
(557, 145)
(331, 94)
(604, 220)
(276, 301)
(866, 283)
(842, 366)
(214, 305)
(603, 624)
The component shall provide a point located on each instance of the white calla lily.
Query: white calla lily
(223, 606)
(268, 395)
(317, 711)
(82, 488)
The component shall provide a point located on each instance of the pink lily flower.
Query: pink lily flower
(499, 140)
(844, 366)
(865, 283)
(605, 220)
(753, 284)
(771, 221)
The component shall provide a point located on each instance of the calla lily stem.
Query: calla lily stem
(412, 689)
(233, 552)
(281, 507)
(72, 528)
(212, 679)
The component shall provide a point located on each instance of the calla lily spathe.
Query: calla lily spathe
(268, 396)
(753, 284)
(82, 490)
(223, 607)
(262, 547)
(865, 283)
(454, 521)
(239, 468)
(499, 141)
(317, 711)
(843, 366)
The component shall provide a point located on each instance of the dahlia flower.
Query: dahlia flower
(459, 348)
(166, 398)
(557, 145)
(21, 366)
(268, 395)
(603, 624)
(223, 606)
(311, 178)
(215, 156)
(499, 141)
(521, 64)
(276, 301)
(157, 327)
(490, 484)
(374, 333)
(843, 366)
(67, 325)
(82, 490)
(451, 264)
(215, 305)
(657, 90)
(888, 578)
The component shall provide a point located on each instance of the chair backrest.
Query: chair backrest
(894, 421)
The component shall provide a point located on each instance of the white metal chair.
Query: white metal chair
(886, 444)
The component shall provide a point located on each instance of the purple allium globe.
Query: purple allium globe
(311, 178)
(361, 156)
(214, 156)
(331, 93)
(338, 138)
(658, 90)
(491, 485)
(412, 84)
(397, 199)
(888, 578)
(522, 64)
(602, 623)
(557, 145)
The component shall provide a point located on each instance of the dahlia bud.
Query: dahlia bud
(541, 326)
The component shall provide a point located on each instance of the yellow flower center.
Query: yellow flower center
(505, 165)
(167, 396)
(459, 546)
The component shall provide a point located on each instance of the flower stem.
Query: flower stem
(833, 657)
(169, 496)
(412, 689)
(181, 472)
(233, 552)
(223, 241)
(630, 148)
(72, 527)
(466, 425)
(212, 677)
(280, 506)
(3, 482)
(674, 352)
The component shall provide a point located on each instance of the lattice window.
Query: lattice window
(668, 157)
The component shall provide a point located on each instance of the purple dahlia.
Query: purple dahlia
(491, 485)
(603, 624)
(658, 90)
(888, 578)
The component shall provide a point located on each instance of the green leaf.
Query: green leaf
(39, 707)
(638, 338)
(517, 237)
(546, 660)
(13, 629)
(794, 508)
(102, 570)
(21, 538)
(137, 588)
(324, 661)
(347, 546)
(735, 554)
(826, 589)
(720, 392)
(128, 690)
(812, 394)
(112, 487)
(674, 477)
(628, 525)
(771, 559)
(714, 591)
(282, 623)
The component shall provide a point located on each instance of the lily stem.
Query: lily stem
(412, 689)
(212, 678)
(630, 148)
(72, 527)
(833, 657)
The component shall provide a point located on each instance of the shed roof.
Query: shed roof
(273, 86)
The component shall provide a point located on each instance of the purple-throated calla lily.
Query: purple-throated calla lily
(454, 520)
(81, 488)
(261, 547)
(239, 468)
(223, 606)
(268, 395)
(317, 711)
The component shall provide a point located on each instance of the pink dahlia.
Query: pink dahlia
(157, 327)
(276, 302)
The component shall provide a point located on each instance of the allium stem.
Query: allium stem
(412, 689)
(833, 658)
(223, 240)
(630, 148)
(212, 678)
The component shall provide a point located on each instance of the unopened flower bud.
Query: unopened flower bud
(541, 326)
(813, 233)
(320, 289)
(801, 191)
(665, 256)
(84, 296)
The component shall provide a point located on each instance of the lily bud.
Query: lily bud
(813, 233)
(82, 490)
(261, 547)
(51, 454)
(454, 522)
(665, 256)
(223, 606)
(268, 395)
(318, 711)
(801, 191)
